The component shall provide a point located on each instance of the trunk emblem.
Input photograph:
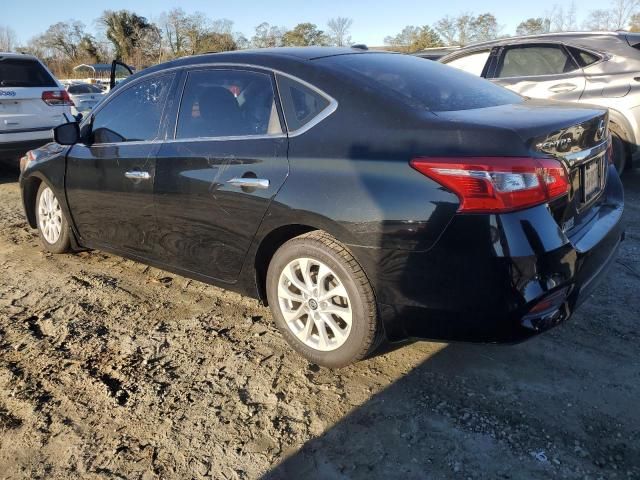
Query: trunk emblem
(600, 131)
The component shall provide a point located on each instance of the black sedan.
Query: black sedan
(365, 196)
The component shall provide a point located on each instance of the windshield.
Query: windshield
(421, 84)
(20, 72)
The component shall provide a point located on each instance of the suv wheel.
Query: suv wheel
(53, 227)
(322, 301)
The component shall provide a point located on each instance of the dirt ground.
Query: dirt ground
(111, 369)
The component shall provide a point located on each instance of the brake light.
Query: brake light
(57, 98)
(497, 184)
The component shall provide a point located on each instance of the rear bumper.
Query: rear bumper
(488, 276)
(13, 150)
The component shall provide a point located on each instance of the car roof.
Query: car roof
(584, 38)
(17, 55)
(273, 58)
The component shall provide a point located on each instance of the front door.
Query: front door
(110, 175)
(544, 71)
(216, 178)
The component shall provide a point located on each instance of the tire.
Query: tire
(348, 337)
(619, 153)
(53, 228)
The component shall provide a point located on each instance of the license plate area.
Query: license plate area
(592, 176)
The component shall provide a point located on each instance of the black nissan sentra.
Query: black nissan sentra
(365, 196)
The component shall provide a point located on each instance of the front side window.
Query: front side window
(134, 114)
(533, 60)
(301, 104)
(473, 63)
(227, 103)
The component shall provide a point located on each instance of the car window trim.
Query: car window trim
(329, 110)
(562, 47)
(242, 68)
(601, 56)
(102, 105)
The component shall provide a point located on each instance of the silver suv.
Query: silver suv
(32, 102)
(598, 68)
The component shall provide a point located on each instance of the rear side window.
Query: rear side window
(418, 84)
(533, 60)
(301, 104)
(227, 103)
(134, 114)
(583, 57)
(473, 63)
(20, 72)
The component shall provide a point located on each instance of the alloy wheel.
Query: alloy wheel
(315, 304)
(49, 216)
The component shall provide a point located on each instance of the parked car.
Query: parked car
(363, 195)
(32, 102)
(597, 68)
(84, 96)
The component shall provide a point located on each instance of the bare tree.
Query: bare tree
(267, 36)
(467, 28)
(7, 39)
(533, 26)
(622, 12)
(338, 31)
(562, 19)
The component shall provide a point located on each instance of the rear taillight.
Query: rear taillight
(497, 184)
(57, 98)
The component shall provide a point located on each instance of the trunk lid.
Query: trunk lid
(577, 136)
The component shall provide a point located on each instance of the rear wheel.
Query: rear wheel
(53, 227)
(322, 301)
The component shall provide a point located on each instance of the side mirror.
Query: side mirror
(67, 133)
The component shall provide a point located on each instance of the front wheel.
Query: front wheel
(322, 301)
(53, 227)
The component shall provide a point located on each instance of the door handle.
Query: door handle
(562, 88)
(247, 182)
(137, 175)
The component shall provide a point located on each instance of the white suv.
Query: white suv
(32, 102)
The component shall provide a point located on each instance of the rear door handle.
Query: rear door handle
(248, 182)
(562, 88)
(137, 175)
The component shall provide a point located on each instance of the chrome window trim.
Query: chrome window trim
(329, 109)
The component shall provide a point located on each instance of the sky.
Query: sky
(372, 20)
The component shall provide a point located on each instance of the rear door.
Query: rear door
(216, 177)
(110, 175)
(540, 70)
(23, 108)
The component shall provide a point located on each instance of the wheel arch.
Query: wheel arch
(268, 246)
(620, 126)
(30, 188)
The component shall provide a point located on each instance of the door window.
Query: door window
(473, 63)
(227, 103)
(134, 114)
(533, 60)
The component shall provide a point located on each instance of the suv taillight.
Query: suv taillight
(57, 98)
(497, 184)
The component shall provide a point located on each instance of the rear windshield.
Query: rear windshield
(420, 83)
(20, 72)
(80, 89)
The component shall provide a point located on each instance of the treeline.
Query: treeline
(141, 42)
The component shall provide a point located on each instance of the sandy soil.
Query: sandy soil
(111, 369)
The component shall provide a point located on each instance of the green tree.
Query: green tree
(413, 39)
(134, 38)
(533, 26)
(303, 35)
(468, 28)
